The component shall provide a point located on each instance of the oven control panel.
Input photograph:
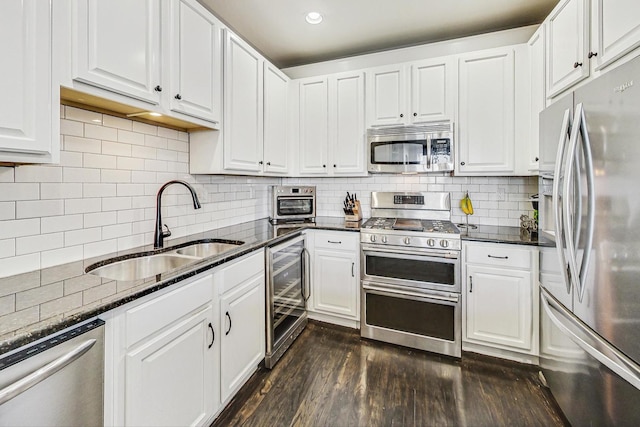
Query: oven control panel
(415, 241)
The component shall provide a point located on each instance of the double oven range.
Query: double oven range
(410, 264)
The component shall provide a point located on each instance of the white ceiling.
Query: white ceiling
(278, 29)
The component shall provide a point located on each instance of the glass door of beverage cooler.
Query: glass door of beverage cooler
(287, 293)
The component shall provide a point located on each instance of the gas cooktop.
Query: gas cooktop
(410, 224)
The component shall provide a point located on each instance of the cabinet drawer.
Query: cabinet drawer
(337, 240)
(145, 319)
(499, 255)
(240, 271)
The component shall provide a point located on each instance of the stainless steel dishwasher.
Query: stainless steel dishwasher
(57, 382)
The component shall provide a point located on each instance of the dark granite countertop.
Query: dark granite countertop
(255, 235)
(501, 234)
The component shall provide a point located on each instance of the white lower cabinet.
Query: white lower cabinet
(335, 277)
(242, 321)
(500, 300)
(175, 357)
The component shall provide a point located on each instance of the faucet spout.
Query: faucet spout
(159, 235)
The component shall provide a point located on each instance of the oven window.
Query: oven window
(295, 206)
(399, 152)
(416, 317)
(410, 269)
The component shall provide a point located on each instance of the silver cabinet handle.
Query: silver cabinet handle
(43, 373)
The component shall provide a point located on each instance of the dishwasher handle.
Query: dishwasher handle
(44, 372)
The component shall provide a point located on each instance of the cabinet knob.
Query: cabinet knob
(324, 166)
(178, 97)
(537, 158)
(158, 88)
(260, 162)
(415, 114)
(335, 166)
(592, 54)
(577, 64)
(401, 115)
(462, 163)
(268, 163)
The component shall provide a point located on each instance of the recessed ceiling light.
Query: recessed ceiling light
(313, 18)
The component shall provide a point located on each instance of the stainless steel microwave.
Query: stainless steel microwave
(290, 203)
(411, 149)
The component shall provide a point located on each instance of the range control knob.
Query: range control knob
(384, 239)
(444, 243)
(431, 242)
(372, 237)
(407, 240)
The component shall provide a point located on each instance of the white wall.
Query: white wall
(101, 198)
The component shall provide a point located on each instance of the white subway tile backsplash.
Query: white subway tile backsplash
(116, 203)
(7, 248)
(7, 210)
(19, 264)
(39, 208)
(69, 127)
(99, 219)
(6, 174)
(79, 237)
(19, 228)
(70, 159)
(61, 223)
(99, 190)
(50, 191)
(39, 243)
(28, 173)
(74, 206)
(80, 175)
(130, 137)
(145, 128)
(100, 248)
(116, 148)
(115, 231)
(116, 175)
(61, 256)
(19, 191)
(82, 145)
(130, 163)
(116, 122)
(100, 132)
(80, 115)
(98, 161)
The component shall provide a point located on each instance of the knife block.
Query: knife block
(357, 213)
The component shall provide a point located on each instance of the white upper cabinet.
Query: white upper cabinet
(346, 123)
(313, 125)
(29, 109)
(331, 125)
(538, 98)
(416, 92)
(194, 58)
(432, 90)
(617, 30)
(243, 107)
(276, 121)
(486, 120)
(386, 102)
(116, 46)
(567, 45)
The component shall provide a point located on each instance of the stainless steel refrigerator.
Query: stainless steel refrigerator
(590, 280)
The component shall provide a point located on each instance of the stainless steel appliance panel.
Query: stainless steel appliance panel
(58, 382)
(288, 290)
(607, 233)
(292, 203)
(551, 127)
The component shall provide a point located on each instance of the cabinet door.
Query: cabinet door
(276, 123)
(567, 45)
(170, 379)
(26, 105)
(537, 88)
(346, 124)
(243, 107)
(117, 46)
(313, 126)
(335, 283)
(432, 90)
(242, 320)
(194, 60)
(499, 306)
(386, 95)
(618, 30)
(486, 113)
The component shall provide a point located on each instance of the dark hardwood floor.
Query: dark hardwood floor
(332, 377)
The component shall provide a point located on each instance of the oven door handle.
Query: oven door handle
(390, 292)
(417, 252)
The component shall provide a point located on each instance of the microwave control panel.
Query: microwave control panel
(441, 150)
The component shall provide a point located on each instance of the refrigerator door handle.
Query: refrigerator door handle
(567, 219)
(591, 202)
(588, 341)
(557, 212)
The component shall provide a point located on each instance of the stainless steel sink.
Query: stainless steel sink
(207, 249)
(141, 267)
